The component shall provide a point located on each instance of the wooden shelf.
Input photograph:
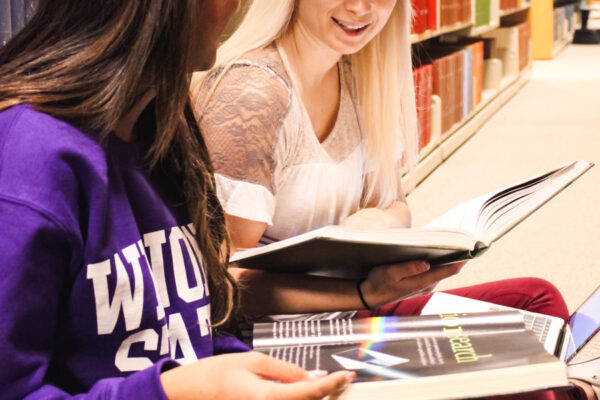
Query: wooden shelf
(416, 38)
(480, 30)
(435, 153)
(560, 46)
(504, 13)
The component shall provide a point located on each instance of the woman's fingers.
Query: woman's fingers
(394, 282)
(272, 369)
(319, 388)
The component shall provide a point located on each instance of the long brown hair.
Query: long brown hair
(89, 61)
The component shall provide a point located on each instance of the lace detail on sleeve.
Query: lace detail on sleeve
(242, 120)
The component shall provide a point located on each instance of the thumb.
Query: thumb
(320, 388)
(272, 369)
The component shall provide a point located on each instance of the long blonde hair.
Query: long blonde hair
(382, 71)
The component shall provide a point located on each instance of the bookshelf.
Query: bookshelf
(552, 27)
(495, 75)
(504, 34)
(443, 147)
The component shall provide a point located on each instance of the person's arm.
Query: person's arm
(396, 215)
(250, 375)
(279, 293)
(36, 253)
(241, 121)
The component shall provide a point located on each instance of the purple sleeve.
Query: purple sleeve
(140, 385)
(36, 254)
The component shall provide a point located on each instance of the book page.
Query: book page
(463, 216)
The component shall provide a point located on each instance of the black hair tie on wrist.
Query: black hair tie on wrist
(362, 298)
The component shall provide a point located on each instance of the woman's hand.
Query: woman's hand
(391, 283)
(249, 376)
(395, 216)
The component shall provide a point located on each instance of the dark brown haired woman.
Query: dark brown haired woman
(112, 238)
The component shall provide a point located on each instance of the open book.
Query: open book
(445, 356)
(462, 233)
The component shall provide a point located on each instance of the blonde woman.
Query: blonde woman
(308, 116)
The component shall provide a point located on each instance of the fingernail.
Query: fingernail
(425, 266)
(317, 373)
(350, 377)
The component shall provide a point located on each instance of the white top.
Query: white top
(269, 164)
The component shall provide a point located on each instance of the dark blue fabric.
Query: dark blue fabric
(13, 16)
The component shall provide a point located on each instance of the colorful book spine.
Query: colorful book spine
(477, 49)
(482, 12)
(432, 9)
(467, 82)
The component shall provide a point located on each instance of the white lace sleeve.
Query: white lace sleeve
(241, 123)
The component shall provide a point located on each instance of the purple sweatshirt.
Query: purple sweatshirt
(102, 286)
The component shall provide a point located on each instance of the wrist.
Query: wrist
(370, 294)
(359, 291)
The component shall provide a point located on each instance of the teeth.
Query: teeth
(350, 27)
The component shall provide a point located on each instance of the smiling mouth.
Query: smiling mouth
(351, 28)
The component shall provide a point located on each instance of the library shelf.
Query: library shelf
(442, 147)
(561, 45)
(420, 37)
(510, 11)
(480, 30)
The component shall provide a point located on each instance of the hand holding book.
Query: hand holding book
(385, 284)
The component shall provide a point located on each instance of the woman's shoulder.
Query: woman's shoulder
(253, 91)
(34, 134)
(258, 77)
(44, 160)
(268, 59)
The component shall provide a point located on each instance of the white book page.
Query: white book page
(462, 217)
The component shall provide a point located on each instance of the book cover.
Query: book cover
(446, 361)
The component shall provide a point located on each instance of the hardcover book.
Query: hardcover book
(563, 339)
(462, 233)
(445, 356)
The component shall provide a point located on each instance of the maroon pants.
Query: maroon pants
(531, 294)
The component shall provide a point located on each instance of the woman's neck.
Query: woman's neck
(124, 127)
(311, 70)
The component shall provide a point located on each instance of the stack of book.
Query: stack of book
(509, 4)
(453, 12)
(424, 16)
(513, 47)
(458, 80)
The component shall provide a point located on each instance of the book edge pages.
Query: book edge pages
(576, 168)
(523, 378)
(447, 239)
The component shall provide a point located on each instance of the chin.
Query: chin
(204, 61)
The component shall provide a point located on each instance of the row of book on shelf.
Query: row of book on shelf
(450, 77)
(433, 15)
(563, 22)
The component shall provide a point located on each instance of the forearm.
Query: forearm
(398, 215)
(395, 216)
(265, 293)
